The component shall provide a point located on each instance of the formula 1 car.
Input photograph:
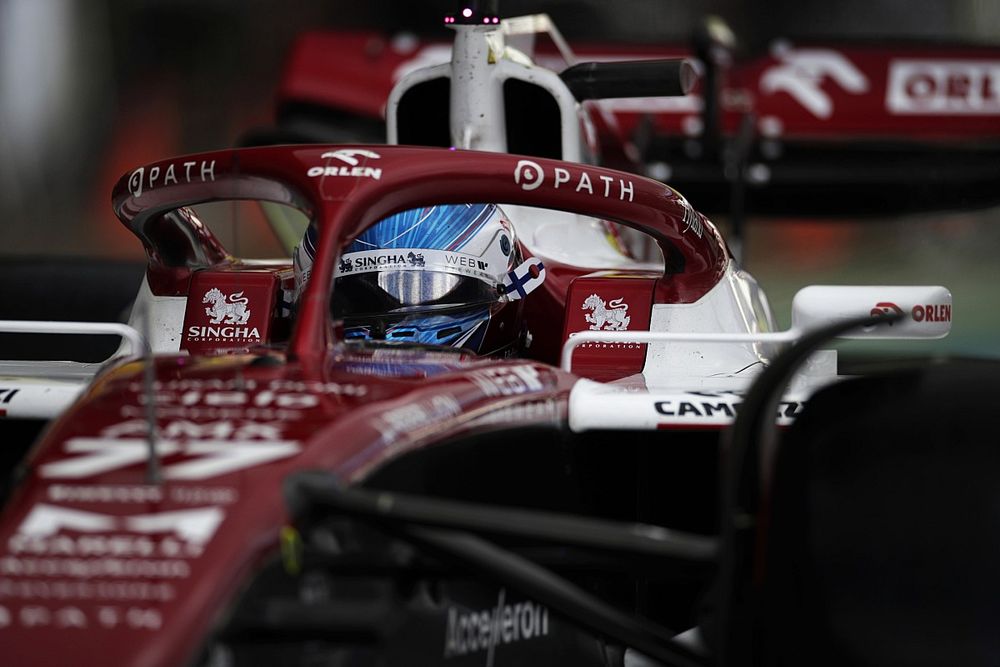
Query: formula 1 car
(805, 124)
(276, 482)
(272, 487)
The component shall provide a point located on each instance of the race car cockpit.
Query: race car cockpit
(450, 275)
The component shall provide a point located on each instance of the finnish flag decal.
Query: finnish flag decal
(524, 278)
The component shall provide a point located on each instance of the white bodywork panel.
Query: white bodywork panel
(166, 319)
(702, 357)
(480, 63)
(41, 389)
(734, 305)
(44, 389)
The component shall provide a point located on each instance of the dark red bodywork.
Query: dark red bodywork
(905, 92)
(100, 566)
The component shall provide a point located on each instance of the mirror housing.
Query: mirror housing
(927, 309)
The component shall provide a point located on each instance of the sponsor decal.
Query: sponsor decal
(195, 171)
(529, 412)
(126, 493)
(717, 406)
(232, 400)
(507, 381)
(226, 310)
(193, 391)
(64, 553)
(530, 176)
(198, 412)
(388, 260)
(943, 87)
(692, 221)
(206, 334)
(931, 313)
(920, 313)
(886, 308)
(609, 316)
(448, 261)
(801, 74)
(196, 451)
(42, 532)
(414, 416)
(219, 430)
(70, 617)
(351, 164)
(75, 589)
(471, 631)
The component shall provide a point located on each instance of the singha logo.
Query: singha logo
(606, 317)
(346, 266)
(226, 311)
(415, 259)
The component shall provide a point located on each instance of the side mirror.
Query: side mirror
(926, 309)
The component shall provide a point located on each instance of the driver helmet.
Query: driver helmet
(448, 275)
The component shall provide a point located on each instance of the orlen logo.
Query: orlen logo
(886, 308)
(959, 87)
(801, 73)
(530, 176)
(350, 157)
(921, 312)
(932, 313)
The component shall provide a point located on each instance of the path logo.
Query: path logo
(530, 176)
(231, 310)
(606, 317)
(801, 72)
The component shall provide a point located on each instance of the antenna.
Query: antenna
(474, 12)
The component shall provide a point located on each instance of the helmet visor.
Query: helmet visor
(401, 291)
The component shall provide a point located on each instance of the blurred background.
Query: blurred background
(89, 89)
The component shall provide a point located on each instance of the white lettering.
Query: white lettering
(212, 457)
(508, 381)
(561, 176)
(208, 169)
(607, 184)
(585, 183)
(943, 87)
(624, 189)
(469, 632)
